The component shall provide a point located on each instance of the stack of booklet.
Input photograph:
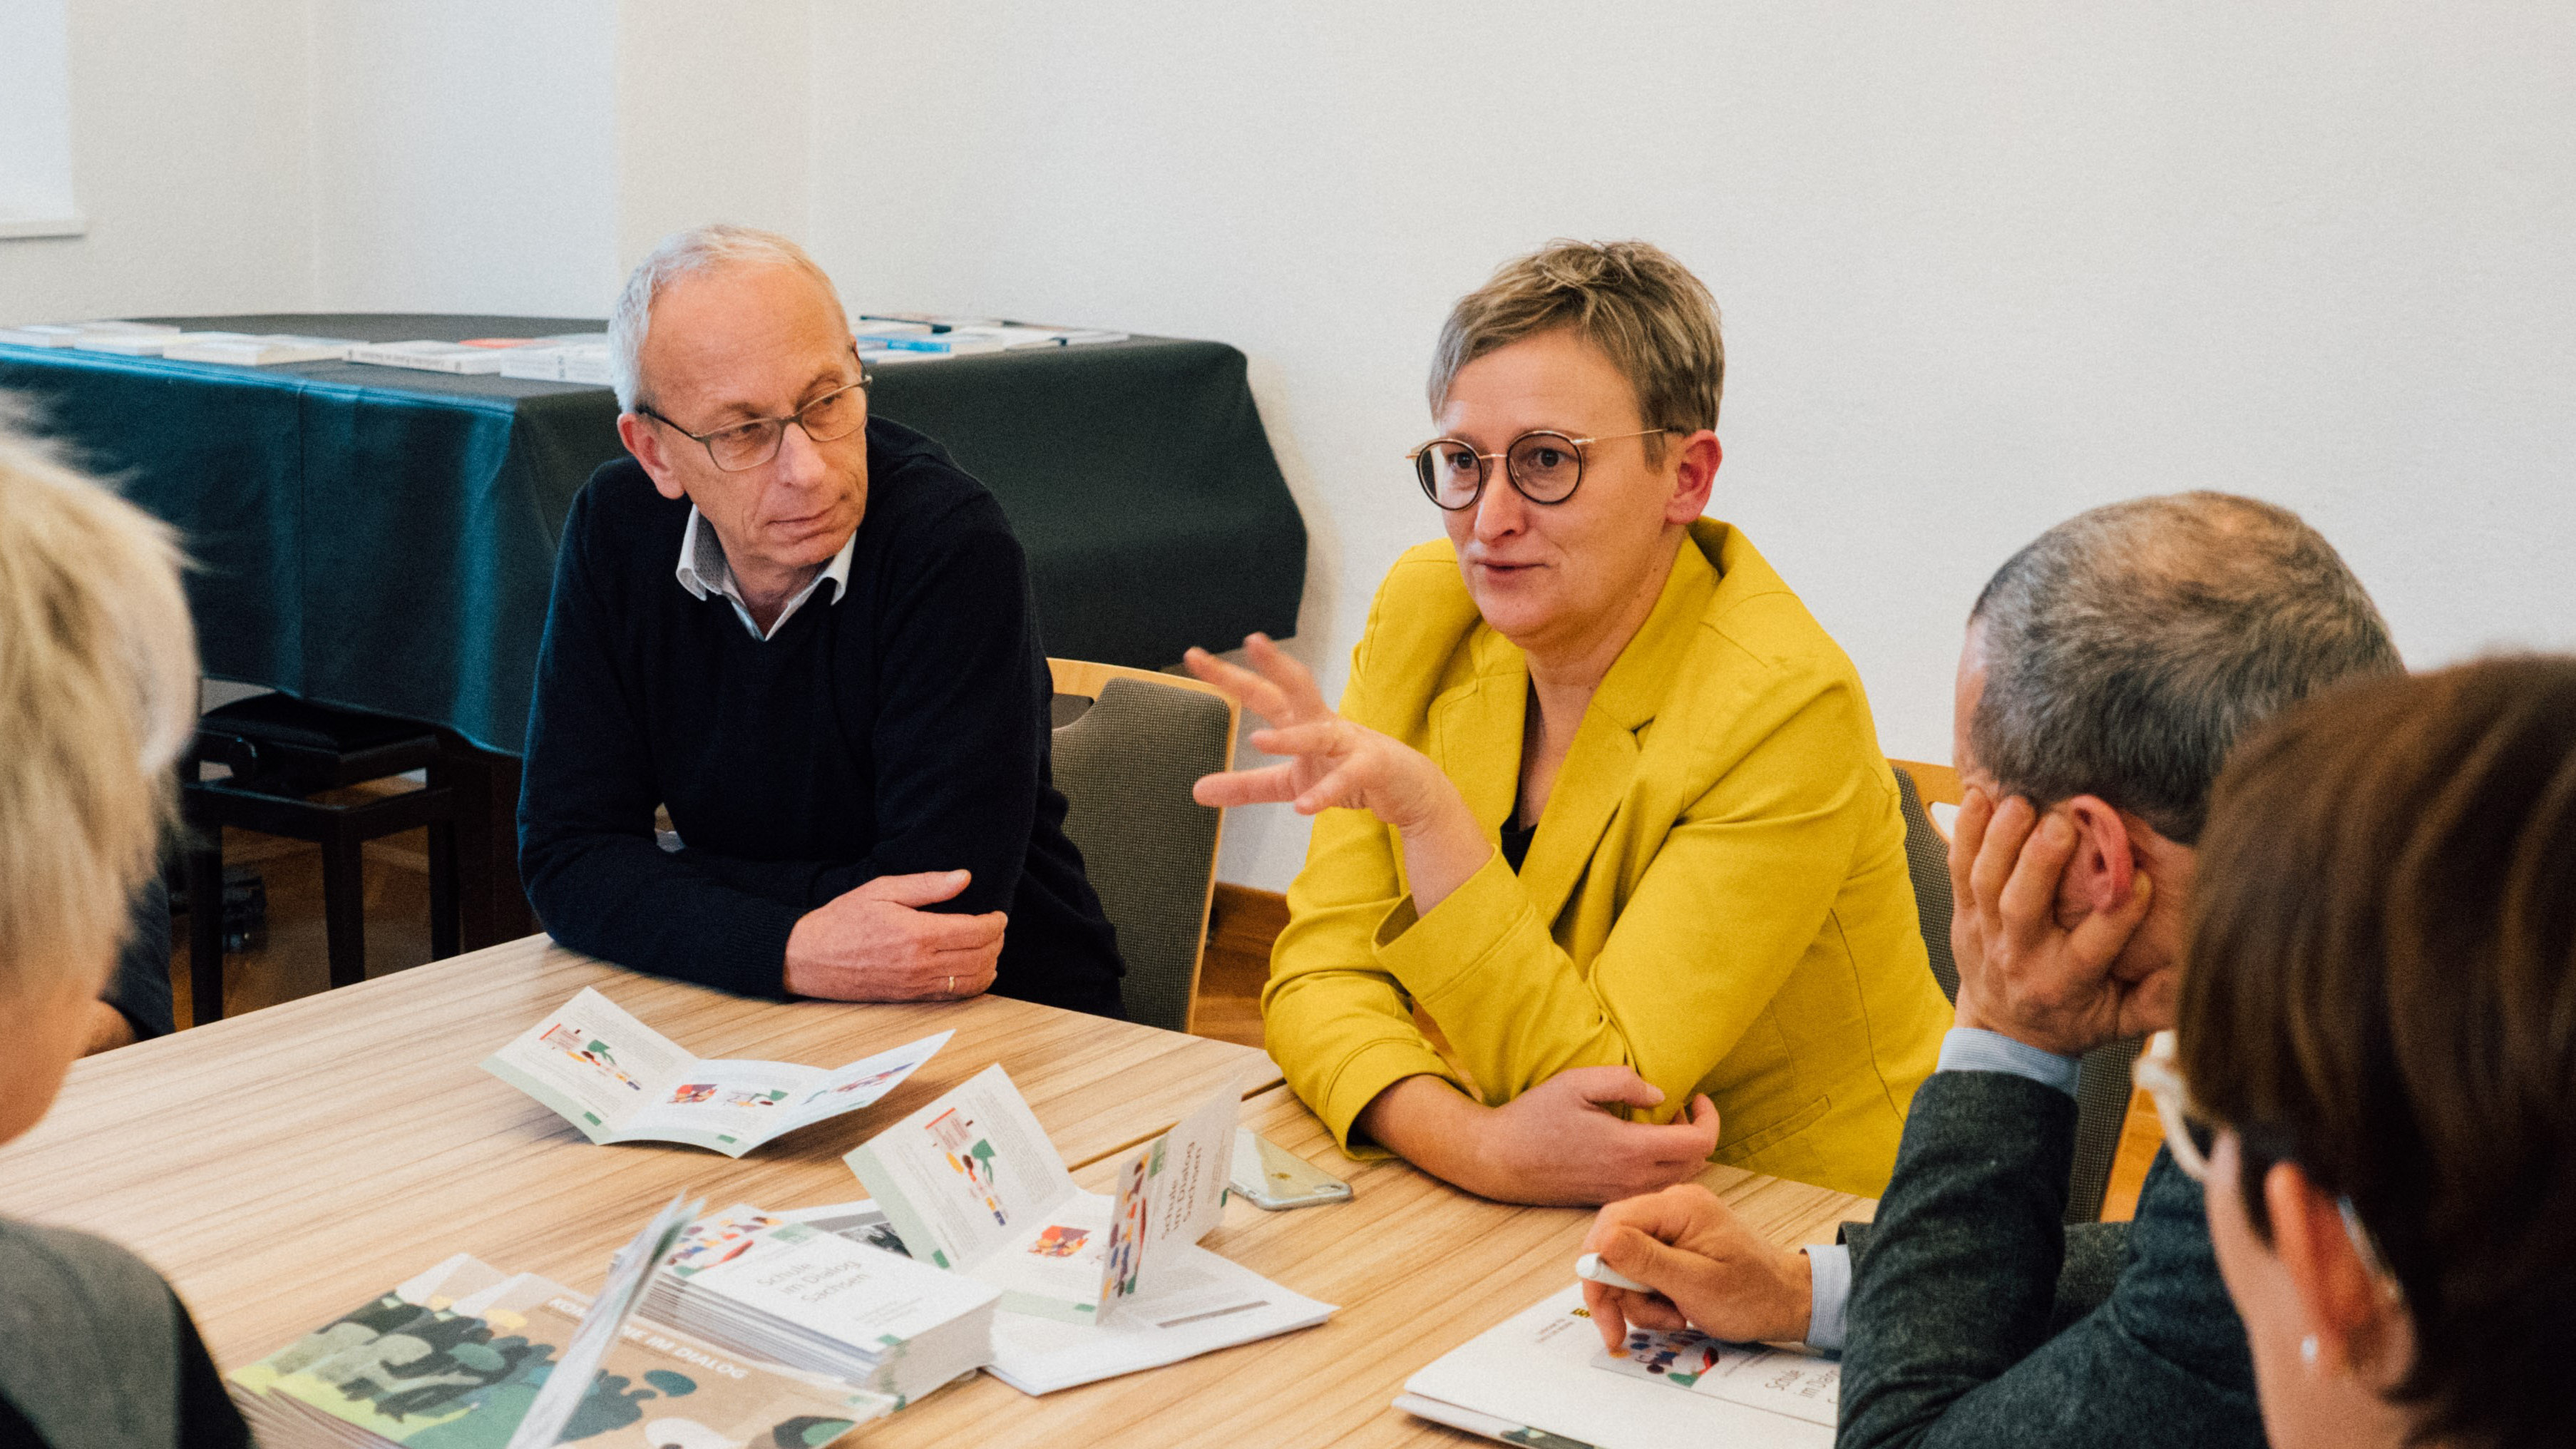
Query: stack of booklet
(465, 1356)
(922, 336)
(1543, 1377)
(100, 335)
(799, 1294)
(475, 356)
(619, 1080)
(1093, 1285)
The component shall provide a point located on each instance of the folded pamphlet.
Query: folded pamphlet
(69, 334)
(971, 1183)
(1542, 1377)
(467, 358)
(1200, 1303)
(800, 1295)
(550, 360)
(260, 350)
(465, 1356)
(149, 344)
(619, 1080)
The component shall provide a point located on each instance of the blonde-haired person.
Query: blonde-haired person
(98, 681)
(1601, 798)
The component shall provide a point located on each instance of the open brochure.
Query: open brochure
(971, 1183)
(619, 1080)
(465, 1356)
(1199, 1303)
(1542, 1377)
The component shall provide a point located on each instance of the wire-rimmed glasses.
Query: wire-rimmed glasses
(2191, 1138)
(1546, 466)
(739, 447)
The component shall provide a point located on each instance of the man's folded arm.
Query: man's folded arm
(587, 854)
(1960, 1277)
(960, 728)
(2092, 1262)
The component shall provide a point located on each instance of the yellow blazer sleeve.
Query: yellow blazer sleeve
(1727, 905)
(1334, 1020)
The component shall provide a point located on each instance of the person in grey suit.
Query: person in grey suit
(2109, 667)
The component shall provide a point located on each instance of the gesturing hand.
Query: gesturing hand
(876, 943)
(1331, 761)
(2029, 968)
(1708, 1271)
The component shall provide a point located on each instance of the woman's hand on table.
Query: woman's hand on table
(1708, 1270)
(1334, 763)
(1553, 1145)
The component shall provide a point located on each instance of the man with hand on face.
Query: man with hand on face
(2108, 669)
(837, 692)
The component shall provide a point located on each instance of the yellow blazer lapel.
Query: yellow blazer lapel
(1475, 728)
(1602, 762)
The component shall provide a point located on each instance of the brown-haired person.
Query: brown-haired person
(2377, 1053)
(1601, 798)
(98, 692)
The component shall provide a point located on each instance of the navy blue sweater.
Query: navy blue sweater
(901, 729)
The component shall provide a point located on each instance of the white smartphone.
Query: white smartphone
(1270, 1176)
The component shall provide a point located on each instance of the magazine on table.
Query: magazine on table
(465, 1356)
(619, 1080)
(971, 1183)
(1543, 1377)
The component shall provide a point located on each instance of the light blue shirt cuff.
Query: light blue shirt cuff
(1829, 1267)
(1967, 1049)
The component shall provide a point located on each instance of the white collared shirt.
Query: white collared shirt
(702, 571)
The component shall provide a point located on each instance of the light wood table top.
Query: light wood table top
(1418, 1268)
(284, 1166)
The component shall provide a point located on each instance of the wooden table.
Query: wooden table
(1418, 1268)
(285, 1166)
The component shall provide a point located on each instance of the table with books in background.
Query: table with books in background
(283, 1166)
(383, 538)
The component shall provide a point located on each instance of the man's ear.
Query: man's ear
(1697, 474)
(2102, 872)
(637, 432)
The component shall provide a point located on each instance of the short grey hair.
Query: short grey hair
(684, 253)
(2127, 649)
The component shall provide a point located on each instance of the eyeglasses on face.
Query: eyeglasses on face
(738, 447)
(2191, 1138)
(1545, 466)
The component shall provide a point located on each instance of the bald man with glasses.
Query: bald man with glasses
(808, 635)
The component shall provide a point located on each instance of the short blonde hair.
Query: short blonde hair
(1656, 321)
(98, 692)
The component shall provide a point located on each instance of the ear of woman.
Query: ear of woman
(2351, 1316)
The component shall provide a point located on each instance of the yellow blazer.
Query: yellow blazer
(1716, 895)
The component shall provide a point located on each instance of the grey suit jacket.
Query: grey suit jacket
(1965, 1330)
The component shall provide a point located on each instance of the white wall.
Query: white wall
(1982, 265)
(188, 131)
(465, 156)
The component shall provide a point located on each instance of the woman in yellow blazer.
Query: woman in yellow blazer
(1713, 900)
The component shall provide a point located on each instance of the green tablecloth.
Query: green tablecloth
(384, 539)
